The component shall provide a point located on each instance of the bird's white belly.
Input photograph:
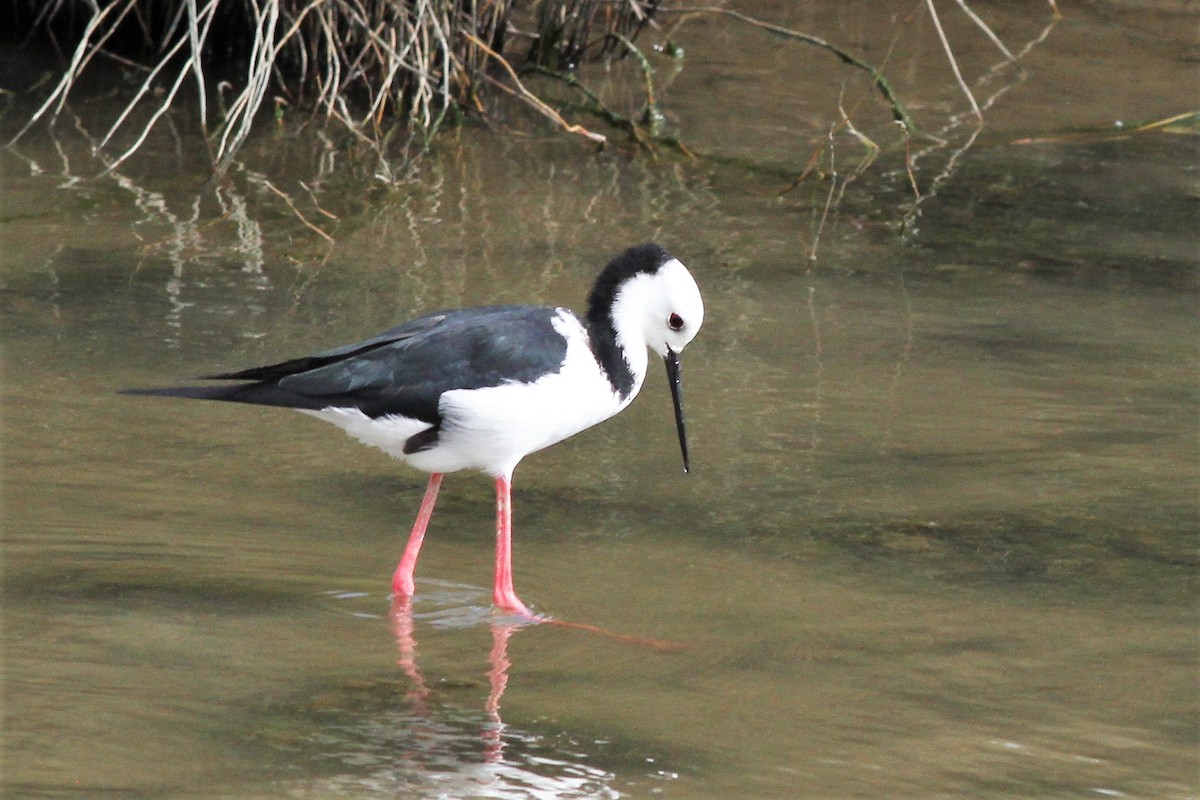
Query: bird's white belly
(387, 433)
(492, 429)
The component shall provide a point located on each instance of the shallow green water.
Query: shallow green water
(939, 540)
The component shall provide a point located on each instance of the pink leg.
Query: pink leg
(402, 581)
(502, 590)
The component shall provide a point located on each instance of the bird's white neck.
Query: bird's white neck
(629, 318)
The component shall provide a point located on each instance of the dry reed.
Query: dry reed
(366, 64)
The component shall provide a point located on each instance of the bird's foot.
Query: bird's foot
(509, 603)
(402, 585)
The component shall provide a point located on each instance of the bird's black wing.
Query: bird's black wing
(271, 372)
(406, 369)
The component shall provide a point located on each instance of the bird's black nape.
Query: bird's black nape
(643, 258)
(640, 258)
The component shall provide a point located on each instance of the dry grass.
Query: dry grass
(366, 64)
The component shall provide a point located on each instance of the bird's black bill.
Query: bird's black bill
(675, 379)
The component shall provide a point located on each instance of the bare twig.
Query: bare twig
(813, 161)
(1190, 119)
(194, 38)
(594, 105)
(833, 185)
(908, 170)
(937, 25)
(872, 151)
(79, 59)
(652, 115)
(287, 199)
(987, 31)
(165, 105)
(258, 72)
(899, 112)
(533, 100)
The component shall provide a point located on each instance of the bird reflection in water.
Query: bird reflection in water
(403, 627)
(502, 761)
(412, 736)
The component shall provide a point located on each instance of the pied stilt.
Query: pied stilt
(481, 388)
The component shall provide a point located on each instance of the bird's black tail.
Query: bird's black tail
(260, 394)
(194, 392)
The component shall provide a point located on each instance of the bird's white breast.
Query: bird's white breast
(492, 429)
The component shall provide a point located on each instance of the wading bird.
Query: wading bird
(481, 388)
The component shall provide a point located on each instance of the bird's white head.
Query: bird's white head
(674, 309)
(646, 297)
(655, 299)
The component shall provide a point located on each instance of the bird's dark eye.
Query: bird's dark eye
(675, 322)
